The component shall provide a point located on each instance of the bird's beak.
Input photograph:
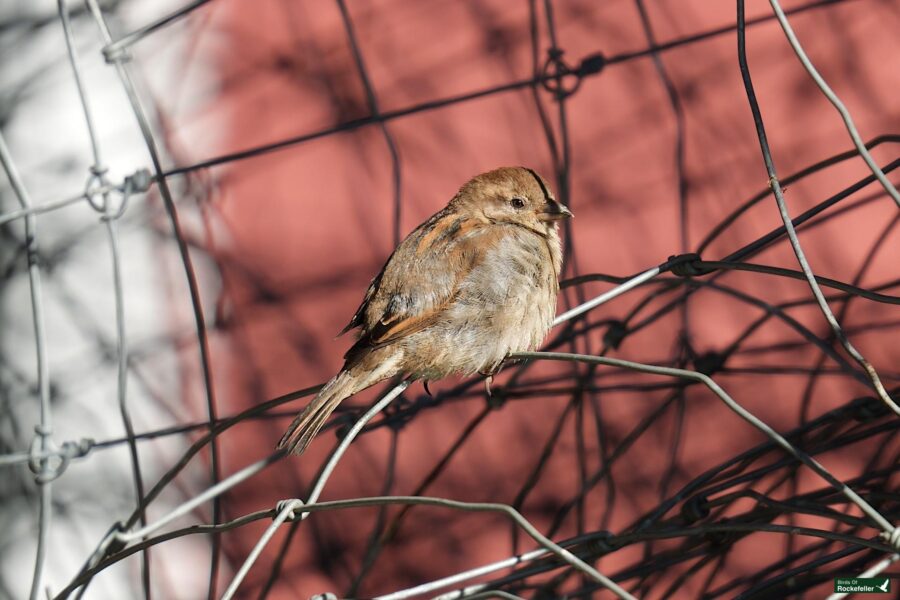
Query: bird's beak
(554, 211)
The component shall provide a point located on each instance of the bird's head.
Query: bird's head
(515, 195)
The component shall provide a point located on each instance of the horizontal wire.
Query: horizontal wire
(47, 207)
(466, 97)
(114, 51)
(810, 462)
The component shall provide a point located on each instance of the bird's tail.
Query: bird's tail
(346, 383)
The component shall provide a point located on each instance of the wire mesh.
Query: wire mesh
(684, 544)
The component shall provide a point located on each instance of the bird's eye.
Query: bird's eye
(517, 202)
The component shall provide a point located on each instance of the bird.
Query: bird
(474, 283)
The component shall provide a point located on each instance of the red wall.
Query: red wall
(298, 233)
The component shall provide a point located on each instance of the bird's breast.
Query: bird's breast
(505, 305)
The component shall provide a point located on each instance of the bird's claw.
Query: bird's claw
(487, 384)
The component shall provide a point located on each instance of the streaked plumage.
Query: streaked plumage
(475, 282)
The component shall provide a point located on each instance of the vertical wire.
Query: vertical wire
(286, 509)
(563, 155)
(372, 100)
(835, 101)
(373, 545)
(684, 349)
(98, 171)
(44, 429)
(193, 286)
(789, 226)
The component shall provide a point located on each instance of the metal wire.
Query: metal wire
(110, 215)
(705, 534)
(789, 226)
(41, 442)
(119, 61)
(832, 97)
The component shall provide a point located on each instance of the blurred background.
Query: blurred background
(298, 143)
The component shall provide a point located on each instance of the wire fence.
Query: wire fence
(685, 541)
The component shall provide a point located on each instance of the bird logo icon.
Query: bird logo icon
(884, 586)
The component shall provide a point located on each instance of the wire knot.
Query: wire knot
(136, 183)
(497, 398)
(98, 170)
(600, 544)
(40, 442)
(35, 455)
(591, 65)
(289, 505)
(892, 538)
(48, 461)
(615, 334)
(113, 542)
(557, 77)
(720, 539)
(867, 409)
(77, 449)
(684, 265)
(97, 185)
(115, 54)
(695, 508)
(44, 459)
(710, 362)
(561, 80)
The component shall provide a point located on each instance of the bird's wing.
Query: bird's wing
(359, 315)
(419, 280)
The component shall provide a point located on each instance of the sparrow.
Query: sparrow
(472, 284)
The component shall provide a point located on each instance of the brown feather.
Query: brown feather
(473, 283)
